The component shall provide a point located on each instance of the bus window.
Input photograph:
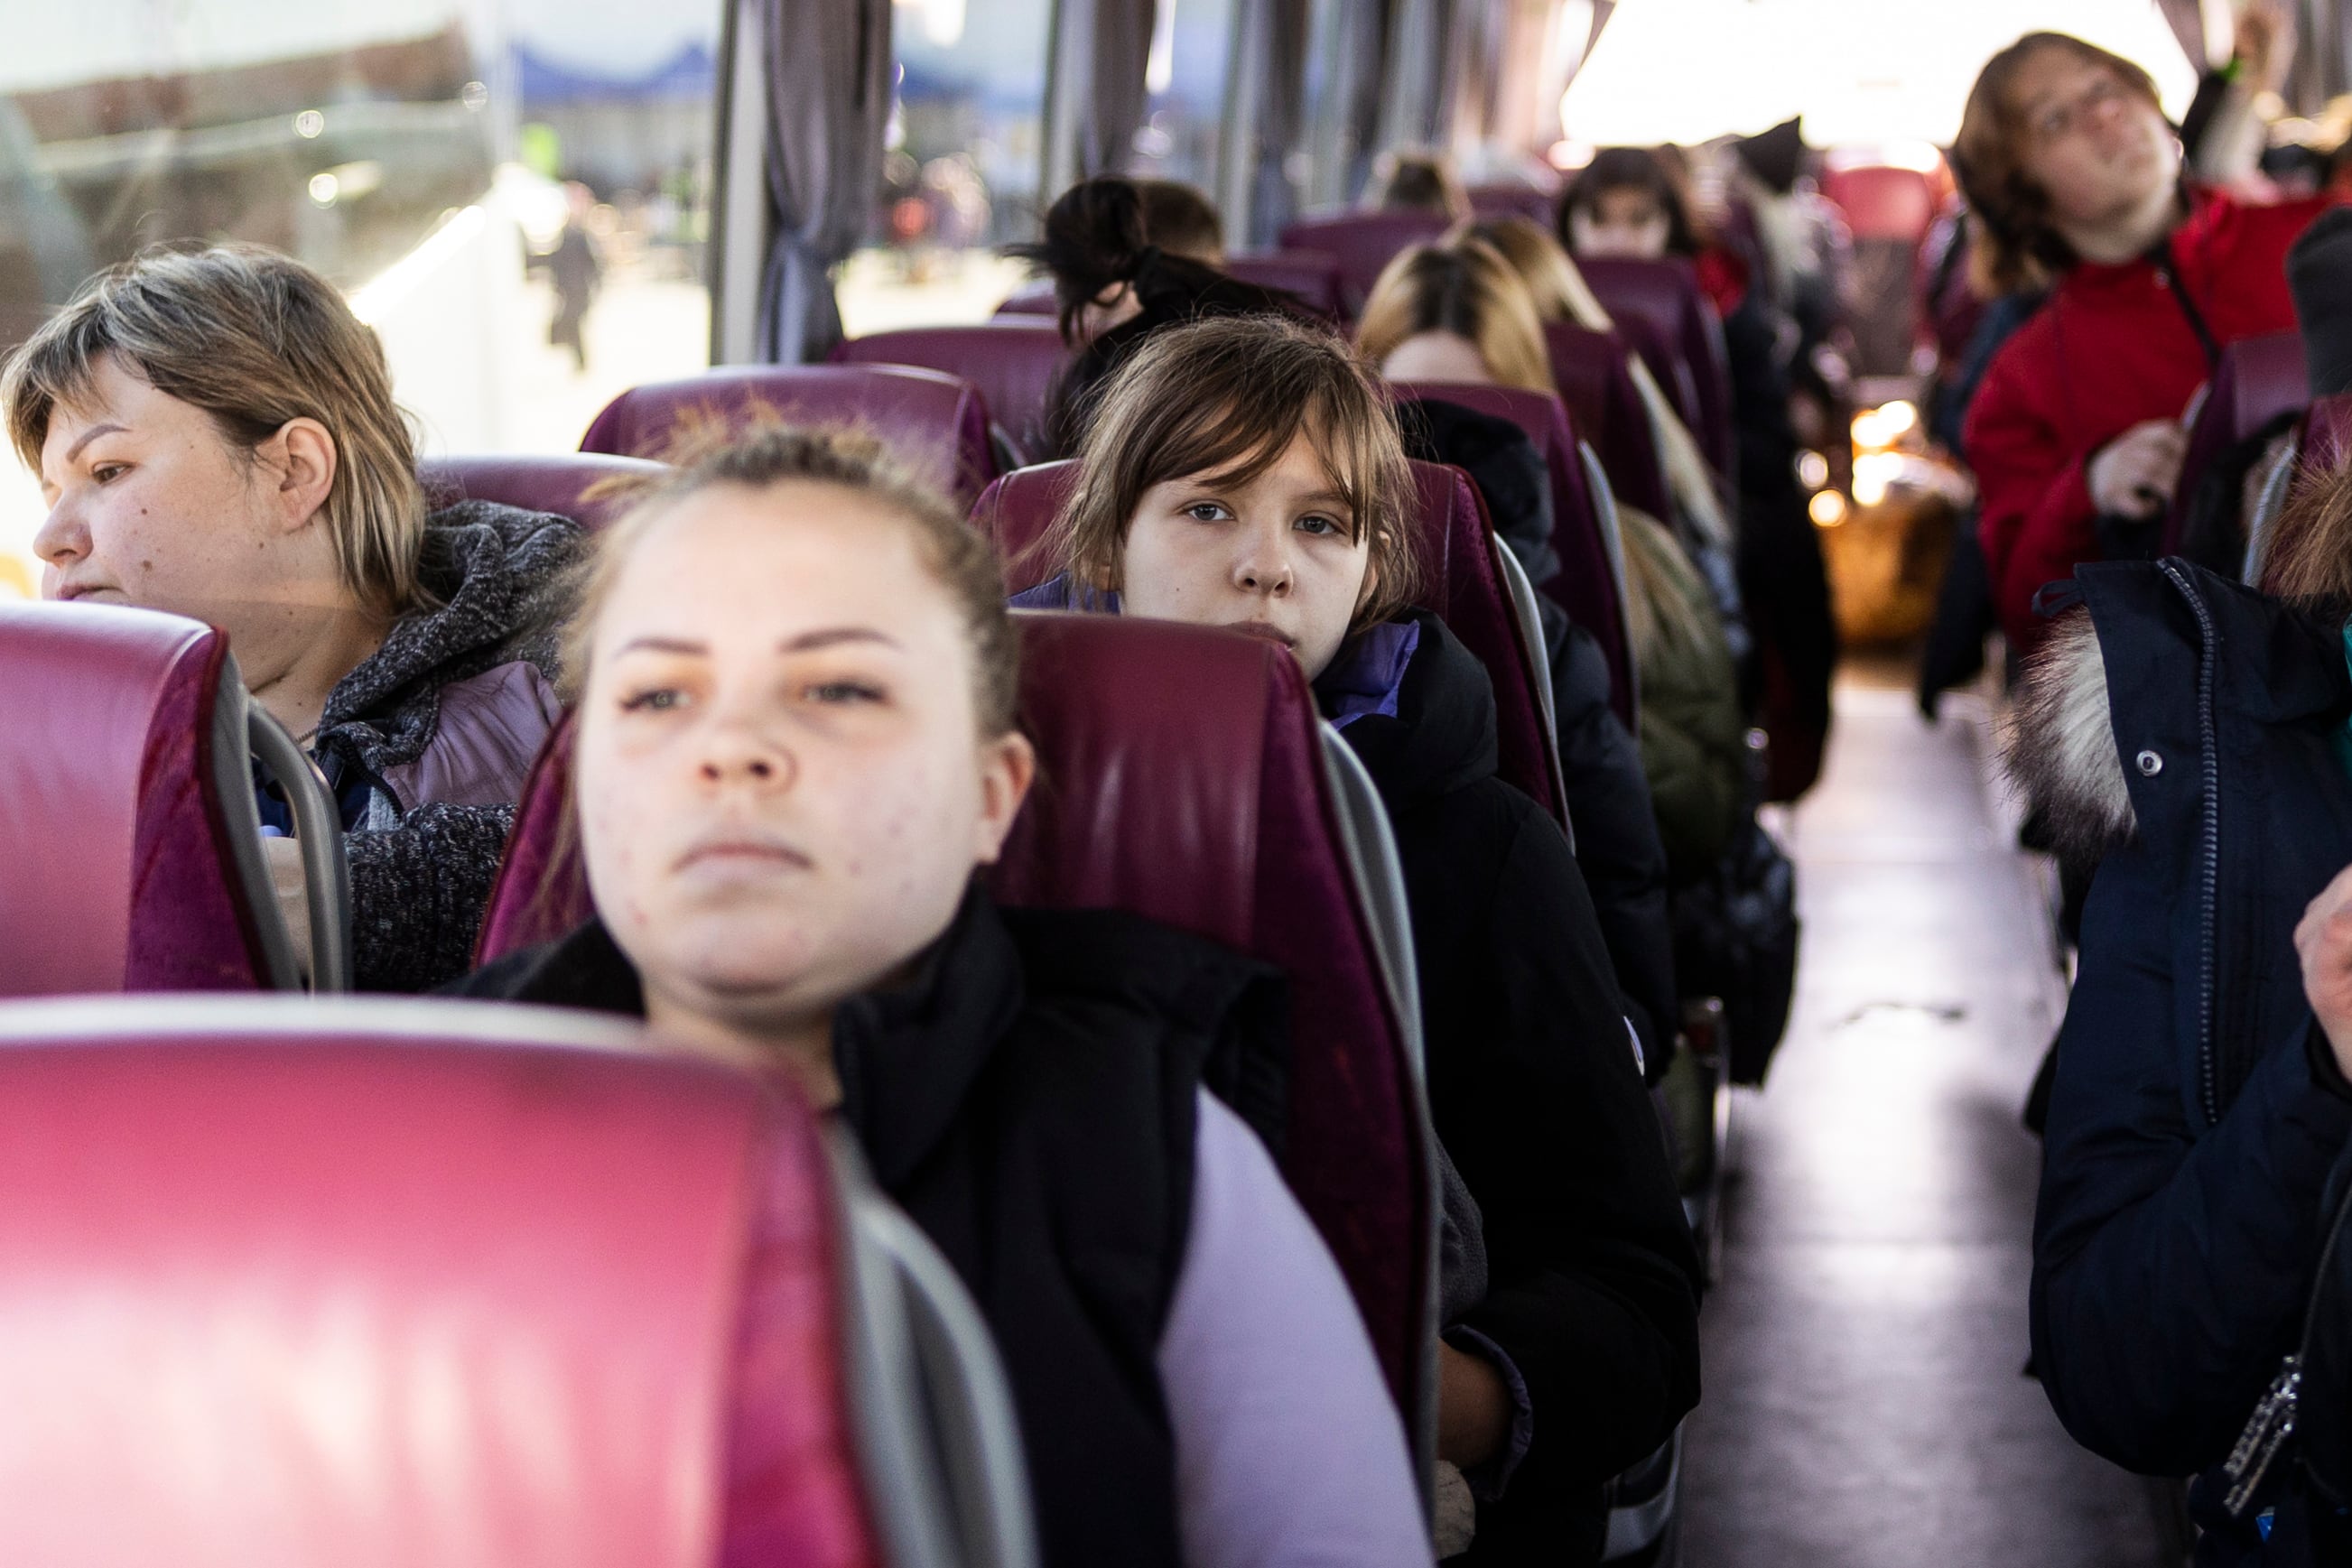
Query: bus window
(450, 166)
(960, 177)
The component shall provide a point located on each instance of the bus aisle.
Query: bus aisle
(1865, 1403)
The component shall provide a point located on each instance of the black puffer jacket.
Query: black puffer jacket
(1028, 1093)
(1617, 844)
(429, 739)
(2188, 731)
(1593, 1281)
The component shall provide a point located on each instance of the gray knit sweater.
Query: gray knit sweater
(442, 722)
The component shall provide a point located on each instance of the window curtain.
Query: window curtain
(828, 66)
(1281, 119)
(1121, 58)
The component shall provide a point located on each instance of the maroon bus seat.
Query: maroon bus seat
(1883, 202)
(1462, 583)
(1587, 586)
(1514, 199)
(935, 423)
(1035, 297)
(1594, 372)
(390, 1285)
(1666, 294)
(129, 847)
(1363, 243)
(589, 487)
(1181, 776)
(1012, 361)
(1312, 275)
(2256, 381)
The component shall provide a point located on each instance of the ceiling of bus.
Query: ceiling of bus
(1861, 72)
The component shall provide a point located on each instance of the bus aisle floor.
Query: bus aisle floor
(1866, 1405)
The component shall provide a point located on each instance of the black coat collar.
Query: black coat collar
(908, 1052)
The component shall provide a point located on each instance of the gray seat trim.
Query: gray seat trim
(939, 1442)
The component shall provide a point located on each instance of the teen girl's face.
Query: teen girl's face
(1281, 557)
(1623, 220)
(782, 789)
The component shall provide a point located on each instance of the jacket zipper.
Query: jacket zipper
(2209, 914)
(2274, 1421)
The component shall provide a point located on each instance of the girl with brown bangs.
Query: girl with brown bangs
(1248, 474)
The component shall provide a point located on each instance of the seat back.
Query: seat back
(2255, 380)
(1666, 294)
(1595, 376)
(1883, 202)
(422, 1282)
(1313, 276)
(1589, 585)
(1013, 361)
(935, 423)
(130, 844)
(1182, 776)
(1514, 200)
(1035, 297)
(1463, 582)
(589, 487)
(1363, 243)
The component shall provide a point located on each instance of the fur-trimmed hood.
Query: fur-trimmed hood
(2110, 703)
(2060, 749)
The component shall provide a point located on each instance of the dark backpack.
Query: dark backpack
(1736, 937)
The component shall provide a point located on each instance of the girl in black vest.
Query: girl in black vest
(795, 746)
(1246, 473)
(1115, 286)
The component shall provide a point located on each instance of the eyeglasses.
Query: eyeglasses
(2058, 121)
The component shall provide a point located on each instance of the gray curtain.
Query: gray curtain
(828, 68)
(1120, 56)
(2187, 19)
(1281, 128)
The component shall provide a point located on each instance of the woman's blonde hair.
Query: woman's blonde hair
(1557, 289)
(254, 340)
(768, 454)
(1227, 396)
(1560, 294)
(1469, 290)
(2015, 246)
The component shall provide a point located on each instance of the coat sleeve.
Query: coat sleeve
(418, 893)
(2036, 520)
(1594, 1278)
(1617, 847)
(2168, 1269)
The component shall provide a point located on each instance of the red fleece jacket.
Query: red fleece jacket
(2111, 348)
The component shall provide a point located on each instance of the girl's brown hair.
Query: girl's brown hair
(1467, 289)
(1227, 396)
(254, 338)
(766, 455)
(2309, 559)
(2016, 247)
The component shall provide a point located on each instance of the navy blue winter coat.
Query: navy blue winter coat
(2195, 1111)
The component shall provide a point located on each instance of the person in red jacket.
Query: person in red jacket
(2078, 431)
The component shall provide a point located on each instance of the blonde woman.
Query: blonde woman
(216, 436)
(1560, 294)
(1455, 313)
